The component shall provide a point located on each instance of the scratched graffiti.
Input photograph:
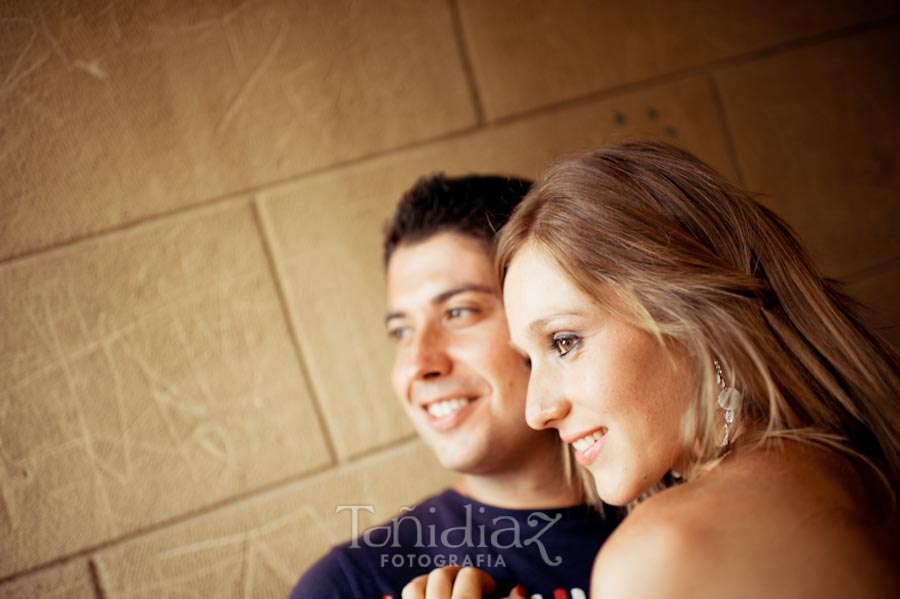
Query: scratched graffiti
(259, 561)
(140, 383)
(101, 41)
(258, 549)
(112, 111)
(247, 560)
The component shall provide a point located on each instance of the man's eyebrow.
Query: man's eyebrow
(440, 298)
(443, 296)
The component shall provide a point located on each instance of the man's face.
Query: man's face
(459, 380)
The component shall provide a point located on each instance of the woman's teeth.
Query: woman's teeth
(588, 440)
(440, 409)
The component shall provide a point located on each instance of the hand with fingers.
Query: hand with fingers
(454, 582)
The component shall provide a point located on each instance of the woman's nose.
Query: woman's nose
(545, 407)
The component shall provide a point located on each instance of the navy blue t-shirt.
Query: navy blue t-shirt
(549, 552)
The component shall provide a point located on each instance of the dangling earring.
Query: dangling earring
(729, 400)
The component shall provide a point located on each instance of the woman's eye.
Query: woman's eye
(527, 362)
(563, 344)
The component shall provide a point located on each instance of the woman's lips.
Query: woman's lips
(588, 446)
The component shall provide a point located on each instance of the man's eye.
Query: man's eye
(459, 312)
(527, 362)
(563, 344)
(398, 333)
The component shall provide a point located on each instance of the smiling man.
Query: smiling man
(514, 512)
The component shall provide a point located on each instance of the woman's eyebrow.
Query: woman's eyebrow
(541, 323)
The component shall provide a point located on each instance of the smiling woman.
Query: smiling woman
(614, 392)
(677, 329)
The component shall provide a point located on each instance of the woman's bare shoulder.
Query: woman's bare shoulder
(643, 557)
(663, 548)
(775, 522)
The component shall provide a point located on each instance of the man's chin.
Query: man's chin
(461, 460)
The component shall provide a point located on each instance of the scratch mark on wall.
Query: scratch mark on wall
(285, 571)
(252, 80)
(237, 538)
(247, 346)
(92, 68)
(200, 27)
(319, 523)
(171, 396)
(73, 301)
(110, 335)
(64, 332)
(246, 575)
(70, 492)
(234, 49)
(14, 139)
(24, 52)
(39, 107)
(119, 397)
(48, 453)
(234, 559)
(10, 85)
(184, 586)
(158, 395)
(214, 439)
(86, 433)
(163, 390)
(51, 366)
(113, 21)
(234, 12)
(12, 478)
(294, 85)
(45, 29)
(202, 382)
(37, 323)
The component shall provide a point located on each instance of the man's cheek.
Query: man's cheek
(396, 385)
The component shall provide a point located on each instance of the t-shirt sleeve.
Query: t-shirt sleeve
(329, 578)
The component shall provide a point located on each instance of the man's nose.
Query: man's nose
(545, 406)
(427, 357)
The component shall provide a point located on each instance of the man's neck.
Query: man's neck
(515, 489)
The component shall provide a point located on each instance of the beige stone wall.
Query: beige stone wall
(193, 371)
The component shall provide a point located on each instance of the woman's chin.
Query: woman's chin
(621, 486)
(616, 500)
(613, 495)
(617, 490)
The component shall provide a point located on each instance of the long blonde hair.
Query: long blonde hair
(697, 261)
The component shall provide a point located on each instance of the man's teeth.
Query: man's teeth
(444, 408)
(585, 442)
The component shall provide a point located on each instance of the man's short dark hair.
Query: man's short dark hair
(477, 206)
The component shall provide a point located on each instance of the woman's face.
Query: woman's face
(610, 388)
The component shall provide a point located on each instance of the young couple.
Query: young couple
(678, 339)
